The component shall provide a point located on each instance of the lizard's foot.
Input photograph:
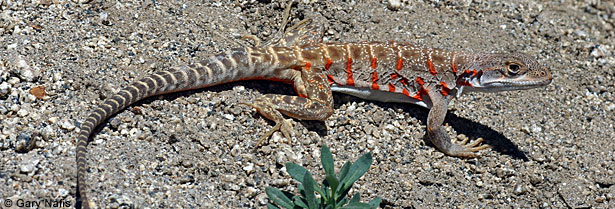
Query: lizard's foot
(281, 124)
(463, 149)
(257, 41)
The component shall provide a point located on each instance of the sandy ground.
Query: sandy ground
(552, 147)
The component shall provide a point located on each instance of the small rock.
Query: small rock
(65, 124)
(229, 116)
(229, 178)
(22, 113)
(14, 80)
(249, 168)
(5, 89)
(57, 76)
(389, 127)
(28, 165)
(581, 33)
(62, 192)
(519, 190)
(52, 119)
(351, 108)
(394, 4)
(250, 192)
(536, 129)
(25, 142)
(38, 92)
(598, 52)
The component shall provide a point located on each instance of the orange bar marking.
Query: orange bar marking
(331, 79)
(374, 63)
(405, 92)
(445, 90)
(394, 76)
(308, 65)
(420, 81)
(391, 87)
(350, 80)
(400, 64)
(328, 64)
(432, 69)
(375, 81)
(417, 96)
(404, 81)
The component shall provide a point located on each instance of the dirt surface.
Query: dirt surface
(552, 147)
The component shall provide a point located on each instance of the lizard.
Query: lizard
(398, 72)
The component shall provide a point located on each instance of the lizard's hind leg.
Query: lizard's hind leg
(314, 103)
(301, 33)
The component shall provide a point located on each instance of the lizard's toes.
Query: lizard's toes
(467, 150)
(287, 129)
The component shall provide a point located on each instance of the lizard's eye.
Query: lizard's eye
(513, 68)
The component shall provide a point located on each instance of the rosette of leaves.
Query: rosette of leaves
(332, 192)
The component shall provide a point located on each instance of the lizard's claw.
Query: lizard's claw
(257, 41)
(283, 126)
(463, 149)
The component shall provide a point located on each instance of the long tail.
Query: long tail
(236, 64)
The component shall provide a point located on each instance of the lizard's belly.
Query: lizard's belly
(381, 96)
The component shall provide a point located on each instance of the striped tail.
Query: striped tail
(236, 64)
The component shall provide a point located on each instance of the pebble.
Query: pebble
(22, 112)
(62, 192)
(249, 168)
(25, 142)
(57, 76)
(26, 72)
(65, 124)
(536, 129)
(5, 89)
(251, 192)
(394, 4)
(519, 190)
(14, 80)
(28, 165)
(229, 117)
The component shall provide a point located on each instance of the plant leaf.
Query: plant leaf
(272, 206)
(327, 160)
(279, 198)
(344, 171)
(356, 198)
(300, 202)
(296, 171)
(332, 182)
(341, 202)
(375, 202)
(356, 205)
(308, 187)
(357, 169)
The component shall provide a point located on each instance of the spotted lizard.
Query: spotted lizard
(381, 71)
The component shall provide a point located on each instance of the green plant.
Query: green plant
(332, 191)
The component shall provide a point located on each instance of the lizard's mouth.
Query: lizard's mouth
(483, 83)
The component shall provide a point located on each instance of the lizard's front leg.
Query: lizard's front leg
(315, 102)
(436, 132)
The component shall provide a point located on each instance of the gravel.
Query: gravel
(552, 147)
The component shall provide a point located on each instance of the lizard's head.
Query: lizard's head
(505, 72)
